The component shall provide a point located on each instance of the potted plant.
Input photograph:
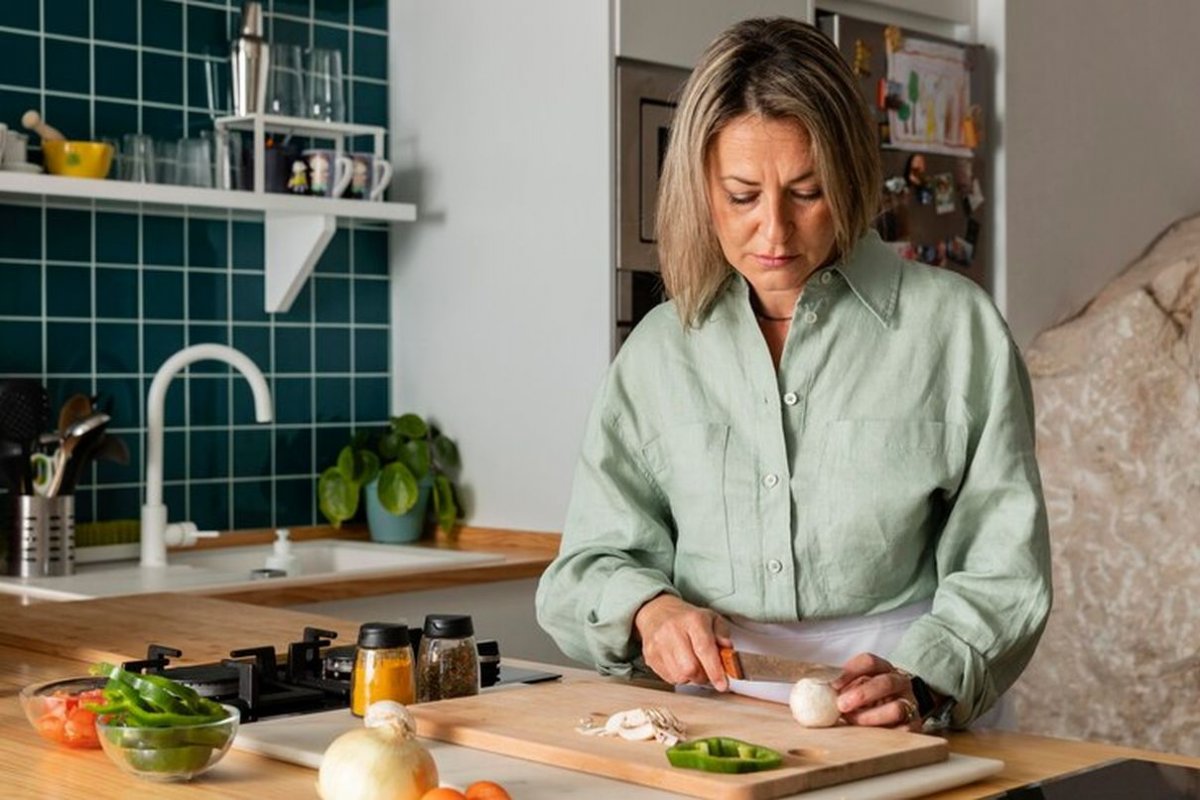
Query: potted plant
(398, 467)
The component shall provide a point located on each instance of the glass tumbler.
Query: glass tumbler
(285, 82)
(138, 164)
(326, 89)
(196, 162)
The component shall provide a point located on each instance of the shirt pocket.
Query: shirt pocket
(690, 463)
(884, 487)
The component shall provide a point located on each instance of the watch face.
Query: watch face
(1129, 779)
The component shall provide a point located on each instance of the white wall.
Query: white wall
(501, 292)
(1101, 144)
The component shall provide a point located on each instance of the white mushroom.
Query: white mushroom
(814, 703)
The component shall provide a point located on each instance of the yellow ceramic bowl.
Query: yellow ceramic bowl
(77, 159)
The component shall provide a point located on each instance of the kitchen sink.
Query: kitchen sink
(231, 568)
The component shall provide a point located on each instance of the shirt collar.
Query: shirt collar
(873, 273)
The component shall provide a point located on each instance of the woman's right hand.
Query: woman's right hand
(680, 641)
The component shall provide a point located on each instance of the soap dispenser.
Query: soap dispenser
(283, 558)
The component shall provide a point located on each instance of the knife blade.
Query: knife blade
(760, 667)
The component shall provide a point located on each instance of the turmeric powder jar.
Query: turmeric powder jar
(383, 667)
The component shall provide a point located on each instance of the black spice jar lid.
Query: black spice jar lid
(448, 626)
(382, 634)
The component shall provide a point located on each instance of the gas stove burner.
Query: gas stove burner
(209, 680)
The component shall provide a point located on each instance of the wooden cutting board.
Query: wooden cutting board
(538, 724)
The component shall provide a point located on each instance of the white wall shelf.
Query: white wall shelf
(296, 232)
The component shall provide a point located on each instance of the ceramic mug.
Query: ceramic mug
(371, 176)
(329, 172)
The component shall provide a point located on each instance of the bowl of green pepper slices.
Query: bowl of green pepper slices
(160, 730)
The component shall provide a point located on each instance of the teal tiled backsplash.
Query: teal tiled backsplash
(93, 300)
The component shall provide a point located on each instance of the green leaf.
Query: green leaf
(410, 425)
(370, 467)
(337, 496)
(444, 505)
(357, 465)
(445, 453)
(397, 488)
(415, 456)
(390, 444)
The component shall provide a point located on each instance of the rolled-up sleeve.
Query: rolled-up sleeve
(993, 556)
(617, 551)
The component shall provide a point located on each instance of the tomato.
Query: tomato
(487, 790)
(443, 793)
(66, 721)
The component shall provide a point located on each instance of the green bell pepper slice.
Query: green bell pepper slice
(722, 754)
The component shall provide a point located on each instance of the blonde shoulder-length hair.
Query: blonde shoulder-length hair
(779, 68)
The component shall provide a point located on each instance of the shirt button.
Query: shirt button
(810, 317)
(770, 481)
(791, 398)
(775, 565)
(826, 276)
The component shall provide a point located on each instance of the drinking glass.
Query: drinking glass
(326, 92)
(285, 82)
(196, 162)
(138, 164)
(166, 161)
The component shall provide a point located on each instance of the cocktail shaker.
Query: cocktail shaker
(249, 58)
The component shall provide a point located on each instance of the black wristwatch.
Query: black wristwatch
(928, 708)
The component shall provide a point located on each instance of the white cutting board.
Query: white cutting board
(303, 739)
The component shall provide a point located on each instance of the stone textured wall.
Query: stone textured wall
(1117, 391)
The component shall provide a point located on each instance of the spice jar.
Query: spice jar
(447, 662)
(383, 667)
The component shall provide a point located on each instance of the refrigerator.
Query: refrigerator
(930, 100)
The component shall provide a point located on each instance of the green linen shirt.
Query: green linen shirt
(890, 459)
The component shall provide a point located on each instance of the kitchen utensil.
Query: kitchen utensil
(250, 60)
(77, 159)
(325, 90)
(285, 84)
(329, 172)
(71, 440)
(12, 465)
(33, 121)
(16, 149)
(83, 454)
(370, 176)
(138, 158)
(76, 407)
(539, 724)
(24, 414)
(760, 667)
(43, 473)
(112, 448)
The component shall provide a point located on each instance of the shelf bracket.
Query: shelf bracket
(294, 243)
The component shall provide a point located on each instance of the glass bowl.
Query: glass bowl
(55, 710)
(177, 753)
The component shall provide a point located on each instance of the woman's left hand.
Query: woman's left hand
(873, 692)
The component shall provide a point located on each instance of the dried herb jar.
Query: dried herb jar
(447, 661)
(383, 667)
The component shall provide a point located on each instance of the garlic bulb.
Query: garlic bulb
(814, 703)
(381, 761)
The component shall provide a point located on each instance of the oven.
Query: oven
(646, 99)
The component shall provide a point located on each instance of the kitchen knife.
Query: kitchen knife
(760, 667)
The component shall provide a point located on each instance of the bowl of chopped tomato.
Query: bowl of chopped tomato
(58, 710)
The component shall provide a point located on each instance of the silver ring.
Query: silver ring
(910, 710)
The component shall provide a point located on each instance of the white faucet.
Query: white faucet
(156, 533)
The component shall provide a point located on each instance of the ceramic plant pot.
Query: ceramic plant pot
(388, 527)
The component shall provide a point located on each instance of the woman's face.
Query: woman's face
(768, 206)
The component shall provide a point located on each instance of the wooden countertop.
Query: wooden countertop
(51, 640)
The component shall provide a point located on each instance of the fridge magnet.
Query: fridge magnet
(959, 251)
(975, 196)
(893, 95)
(895, 185)
(972, 128)
(943, 193)
(885, 132)
(914, 170)
(298, 181)
(893, 39)
(862, 59)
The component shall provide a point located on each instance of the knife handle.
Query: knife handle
(731, 664)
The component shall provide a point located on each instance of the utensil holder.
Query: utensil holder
(42, 536)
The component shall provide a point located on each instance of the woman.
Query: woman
(815, 449)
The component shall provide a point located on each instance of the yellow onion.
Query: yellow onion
(381, 761)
